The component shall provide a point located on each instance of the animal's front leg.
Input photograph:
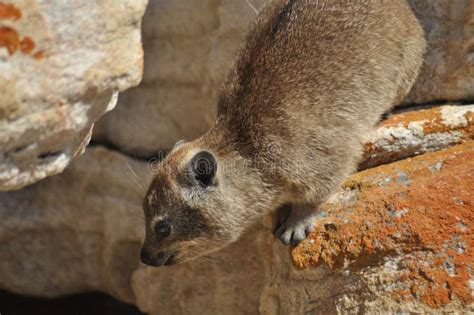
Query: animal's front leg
(293, 222)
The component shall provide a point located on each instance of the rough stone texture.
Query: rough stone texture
(76, 232)
(415, 132)
(448, 71)
(61, 66)
(185, 65)
(396, 238)
(415, 217)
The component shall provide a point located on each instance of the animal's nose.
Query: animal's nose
(159, 259)
(146, 257)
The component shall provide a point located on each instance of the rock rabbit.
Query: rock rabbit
(312, 80)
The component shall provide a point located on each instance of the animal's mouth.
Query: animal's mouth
(170, 260)
(158, 260)
(165, 259)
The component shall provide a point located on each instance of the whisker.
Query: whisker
(135, 177)
(213, 259)
(136, 188)
(252, 6)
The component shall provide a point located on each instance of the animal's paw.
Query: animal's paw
(291, 228)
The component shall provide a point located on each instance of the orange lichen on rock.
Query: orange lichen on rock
(9, 39)
(432, 120)
(422, 208)
(416, 132)
(405, 118)
(27, 45)
(39, 55)
(9, 11)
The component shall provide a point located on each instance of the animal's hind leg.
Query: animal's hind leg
(293, 222)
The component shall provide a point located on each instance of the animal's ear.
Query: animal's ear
(203, 169)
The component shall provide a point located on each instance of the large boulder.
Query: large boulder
(61, 67)
(397, 237)
(185, 63)
(404, 231)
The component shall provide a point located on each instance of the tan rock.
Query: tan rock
(406, 232)
(448, 70)
(156, 119)
(61, 67)
(76, 232)
(227, 282)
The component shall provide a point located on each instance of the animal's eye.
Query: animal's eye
(163, 229)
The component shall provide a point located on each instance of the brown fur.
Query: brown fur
(312, 80)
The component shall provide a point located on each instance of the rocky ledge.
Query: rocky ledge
(405, 228)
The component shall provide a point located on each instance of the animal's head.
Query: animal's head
(191, 208)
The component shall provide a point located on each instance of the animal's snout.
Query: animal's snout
(145, 257)
(159, 259)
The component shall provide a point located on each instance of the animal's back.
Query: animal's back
(315, 77)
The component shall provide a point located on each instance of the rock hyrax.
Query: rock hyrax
(312, 79)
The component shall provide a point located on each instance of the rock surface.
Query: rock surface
(415, 132)
(185, 64)
(396, 238)
(61, 66)
(76, 232)
(448, 71)
(412, 220)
